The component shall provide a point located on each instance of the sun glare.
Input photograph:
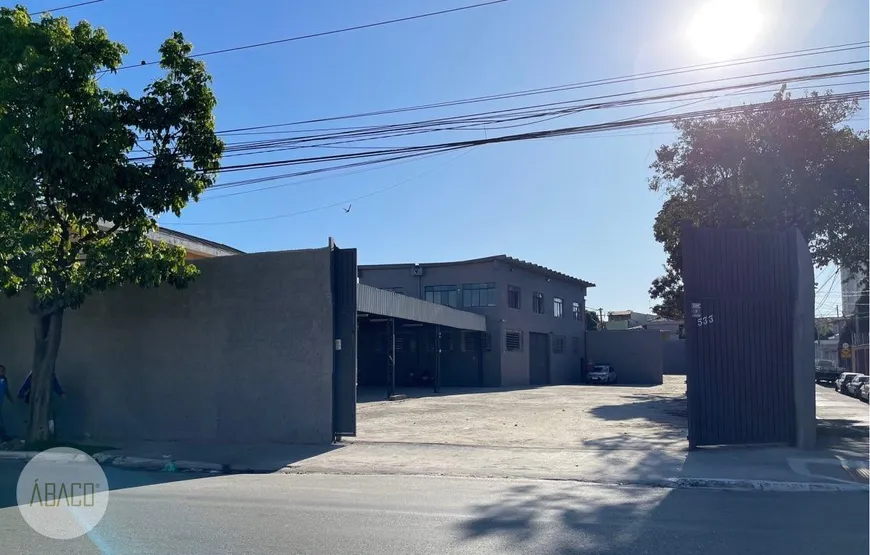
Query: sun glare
(722, 29)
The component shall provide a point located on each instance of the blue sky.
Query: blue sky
(578, 205)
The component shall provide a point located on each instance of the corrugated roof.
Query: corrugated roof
(620, 313)
(386, 303)
(195, 239)
(501, 258)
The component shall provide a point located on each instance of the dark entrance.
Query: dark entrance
(739, 308)
(539, 358)
(425, 355)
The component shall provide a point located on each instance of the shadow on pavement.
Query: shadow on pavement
(619, 521)
(137, 471)
(842, 434)
(372, 394)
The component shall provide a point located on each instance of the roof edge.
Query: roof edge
(531, 266)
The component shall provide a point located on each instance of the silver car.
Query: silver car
(602, 373)
(845, 378)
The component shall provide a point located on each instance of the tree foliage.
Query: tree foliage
(592, 323)
(791, 164)
(76, 208)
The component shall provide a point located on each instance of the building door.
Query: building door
(539, 358)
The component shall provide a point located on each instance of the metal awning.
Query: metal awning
(386, 303)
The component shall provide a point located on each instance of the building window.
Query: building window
(558, 343)
(575, 309)
(513, 340)
(478, 294)
(447, 295)
(515, 299)
(557, 307)
(538, 303)
(575, 345)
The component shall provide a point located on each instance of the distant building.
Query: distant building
(535, 318)
(850, 289)
(673, 328)
(626, 319)
(196, 247)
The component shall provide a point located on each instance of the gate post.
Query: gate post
(391, 379)
(437, 358)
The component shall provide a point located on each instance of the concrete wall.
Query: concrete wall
(674, 356)
(244, 354)
(804, 350)
(635, 355)
(501, 367)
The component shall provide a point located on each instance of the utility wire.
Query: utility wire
(527, 115)
(327, 33)
(638, 122)
(342, 203)
(68, 7)
(492, 120)
(277, 163)
(580, 85)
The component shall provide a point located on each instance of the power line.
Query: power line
(527, 115)
(341, 203)
(638, 122)
(68, 7)
(523, 114)
(327, 33)
(279, 163)
(580, 85)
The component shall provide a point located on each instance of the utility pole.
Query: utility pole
(600, 318)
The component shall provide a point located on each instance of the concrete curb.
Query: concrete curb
(757, 485)
(17, 455)
(183, 466)
(725, 484)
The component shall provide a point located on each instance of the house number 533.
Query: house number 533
(705, 320)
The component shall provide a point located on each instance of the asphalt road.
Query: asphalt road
(279, 514)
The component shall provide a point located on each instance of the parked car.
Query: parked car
(853, 388)
(601, 373)
(864, 394)
(827, 371)
(844, 378)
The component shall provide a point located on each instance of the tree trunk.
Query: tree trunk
(47, 334)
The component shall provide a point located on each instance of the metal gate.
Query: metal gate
(739, 306)
(344, 368)
(539, 358)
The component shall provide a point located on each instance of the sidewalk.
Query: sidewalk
(780, 469)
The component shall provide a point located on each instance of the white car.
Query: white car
(601, 373)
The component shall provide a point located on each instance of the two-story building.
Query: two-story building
(535, 316)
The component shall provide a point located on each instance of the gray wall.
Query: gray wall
(636, 355)
(243, 355)
(674, 356)
(500, 367)
(804, 350)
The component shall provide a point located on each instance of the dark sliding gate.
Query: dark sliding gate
(739, 305)
(344, 292)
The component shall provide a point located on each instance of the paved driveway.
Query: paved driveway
(571, 416)
(844, 422)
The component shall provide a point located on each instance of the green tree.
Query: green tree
(75, 208)
(592, 323)
(793, 163)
